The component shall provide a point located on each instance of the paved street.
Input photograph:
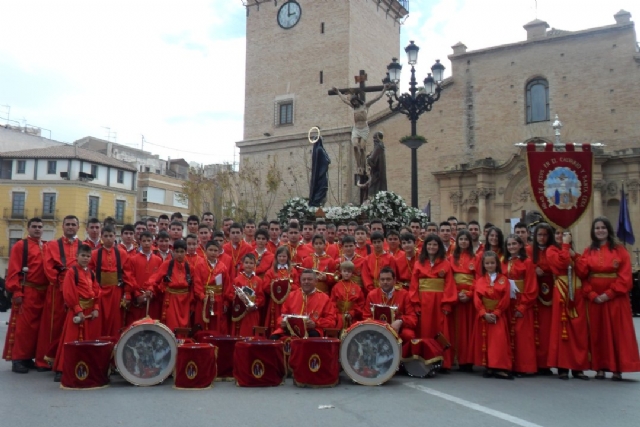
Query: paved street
(453, 400)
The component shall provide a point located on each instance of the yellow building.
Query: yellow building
(53, 182)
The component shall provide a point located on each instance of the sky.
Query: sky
(173, 72)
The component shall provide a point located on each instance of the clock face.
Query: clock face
(289, 14)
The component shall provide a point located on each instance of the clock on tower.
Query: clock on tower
(289, 14)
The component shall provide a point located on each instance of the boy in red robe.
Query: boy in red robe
(347, 297)
(163, 249)
(362, 247)
(349, 254)
(375, 261)
(192, 256)
(264, 258)
(237, 248)
(306, 301)
(81, 294)
(244, 312)
(405, 260)
(298, 250)
(322, 263)
(128, 239)
(107, 263)
(173, 280)
(138, 269)
(204, 235)
(211, 285)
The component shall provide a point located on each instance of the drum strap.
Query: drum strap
(118, 265)
(63, 256)
(170, 272)
(25, 257)
(77, 275)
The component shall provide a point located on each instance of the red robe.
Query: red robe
(53, 314)
(523, 342)
(364, 250)
(433, 291)
(317, 307)
(323, 263)
(332, 250)
(163, 256)
(91, 244)
(464, 313)
(194, 260)
(83, 296)
(299, 252)
(404, 269)
(264, 262)
(205, 286)
(358, 263)
(274, 308)
(613, 340)
(138, 270)
(543, 309)
(244, 327)
(236, 255)
(110, 294)
(347, 298)
(569, 339)
(492, 343)
(371, 270)
(22, 335)
(273, 246)
(405, 312)
(178, 295)
(131, 251)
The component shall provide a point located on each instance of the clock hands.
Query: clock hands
(289, 10)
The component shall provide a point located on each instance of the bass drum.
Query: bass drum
(370, 352)
(146, 353)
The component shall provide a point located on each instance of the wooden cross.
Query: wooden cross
(523, 215)
(637, 252)
(362, 88)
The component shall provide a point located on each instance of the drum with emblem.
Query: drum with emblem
(86, 364)
(146, 353)
(195, 366)
(226, 346)
(315, 362)
(370, 352)
(259, 363)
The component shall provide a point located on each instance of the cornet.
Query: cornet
(244, 297)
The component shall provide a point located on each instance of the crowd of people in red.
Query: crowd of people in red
(517, 305)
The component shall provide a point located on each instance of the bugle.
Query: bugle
(244, 297)
(334, 276)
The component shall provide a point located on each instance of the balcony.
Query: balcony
(47, 216)
(122, 220)
(13, 213)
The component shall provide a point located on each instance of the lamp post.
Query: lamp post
(414, 103)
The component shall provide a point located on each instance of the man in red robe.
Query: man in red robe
(307, 301)
(236, 248)
(94, 228)
(59, 255)
(28, 283)
(274, 236)
(107, 263)
(81, 294)
(375, 261)
(204, 235)
(298, 250)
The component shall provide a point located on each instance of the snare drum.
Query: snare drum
(86, 364)
(315, 362)
(195, 366)
(146, 353)
(226, 346)
(370, 352)
(259, 363)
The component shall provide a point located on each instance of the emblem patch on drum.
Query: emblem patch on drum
(257, 368)
(544, 289)
(82, 371)
(191, 371)
(383, 318)
(314, 363)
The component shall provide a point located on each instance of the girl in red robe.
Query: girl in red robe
(492, 300)
(519, 269)
(568, 340)
(543, 239)
(606, 269)
(463, 265)
(278, 283)
(433, 292)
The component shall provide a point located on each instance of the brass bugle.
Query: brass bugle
(333, 275)
(244, 297)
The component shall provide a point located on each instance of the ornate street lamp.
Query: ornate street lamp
(414, 103)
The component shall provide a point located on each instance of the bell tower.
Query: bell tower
(298, 49)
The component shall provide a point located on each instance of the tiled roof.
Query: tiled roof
(556, 32)
(68, 152)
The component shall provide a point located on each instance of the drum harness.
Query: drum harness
(118, 266)
(187, 270)
(63, 258)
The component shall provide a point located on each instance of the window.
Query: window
(147, 169)
(285, 115)
(144, 195)
(48, 205)
(94, 204)
(17, 205)
(120, 177)
(52, 165)
(537, 101)
(120, 205)
(179, 201)
(153, 195)
(22, 166)
(94, 171)
(13, 241)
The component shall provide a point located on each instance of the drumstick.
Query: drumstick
(148, 299)
(77, 319)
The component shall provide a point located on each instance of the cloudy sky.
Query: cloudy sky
(174, 71)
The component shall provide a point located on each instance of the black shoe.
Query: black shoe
(43, 369)
(19, 367)
(444, 371)
(503, 376)
(487, 374)
(579, 375)
(57, 377)
(29, 363)
(545, 372)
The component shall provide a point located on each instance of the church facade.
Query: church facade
(494, 98)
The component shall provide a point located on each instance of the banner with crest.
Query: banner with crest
(561, 181)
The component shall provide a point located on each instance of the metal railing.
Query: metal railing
(13, 213)
(47, 216)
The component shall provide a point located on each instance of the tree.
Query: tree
(198, 192)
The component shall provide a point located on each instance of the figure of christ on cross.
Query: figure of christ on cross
(360, 131)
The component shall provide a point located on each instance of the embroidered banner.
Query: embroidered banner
(561, 182)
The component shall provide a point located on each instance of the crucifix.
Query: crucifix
(360, 130)
(637, 252)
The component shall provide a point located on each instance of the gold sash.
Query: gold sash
(431, 285)
(177, 291)
(604, 275)
(562, 285)
(216, 289)
(86, 303)
(344, 306)
(489, 304)
(463, 278)
(36, 287)
(520, 285)
(109, 279)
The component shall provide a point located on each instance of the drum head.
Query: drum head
(370, 354)
(146, 354)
